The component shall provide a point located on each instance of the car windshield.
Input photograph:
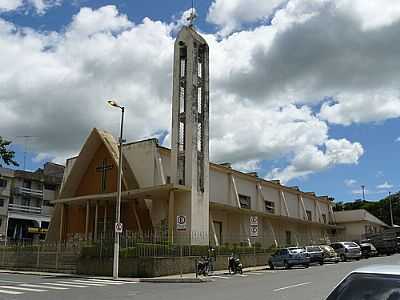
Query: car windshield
(296, 250)
(351, 244)
(327, 248)
(313, 249)
(368, 287)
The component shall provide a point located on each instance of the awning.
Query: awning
(154, 192)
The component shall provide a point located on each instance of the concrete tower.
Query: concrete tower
(190, 132)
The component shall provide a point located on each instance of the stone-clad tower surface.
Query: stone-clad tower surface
(190, 133)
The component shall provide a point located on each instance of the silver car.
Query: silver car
(376, 282)
(347, 250)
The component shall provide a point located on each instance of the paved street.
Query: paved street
(300, 284)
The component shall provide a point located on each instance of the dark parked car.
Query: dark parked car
(288, 257)
(374, 282)
(330, 254)
(315, 253)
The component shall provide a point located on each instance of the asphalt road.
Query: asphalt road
(296, 284)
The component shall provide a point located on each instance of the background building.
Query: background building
(356, 224)
(25, 201)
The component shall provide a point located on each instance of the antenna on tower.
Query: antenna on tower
(26, 138)
(192, 15)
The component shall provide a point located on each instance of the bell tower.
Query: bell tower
(190, 130)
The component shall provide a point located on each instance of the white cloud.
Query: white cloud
(248, 166)
(40, 6)
(229, 15)
(397, 139)
(350, 182)
(384, 186)
(310, 159)
(352, 108)
(8, 5)
(371, 14)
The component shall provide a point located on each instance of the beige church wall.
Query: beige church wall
(159, 211)
(292, 203)
(219, 187)
(182, 208)
(200, 218)
(271, 194)
(247, 188)
(309, 204)
(140, 157)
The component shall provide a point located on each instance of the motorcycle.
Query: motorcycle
(234, 265)
(203, 266)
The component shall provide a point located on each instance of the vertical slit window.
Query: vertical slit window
(181, 141)
(199, 100)
(181, 99)
(199, 137)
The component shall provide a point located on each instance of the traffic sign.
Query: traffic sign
(118, 227)
(254, 231)
(253, 221)
(181, 223)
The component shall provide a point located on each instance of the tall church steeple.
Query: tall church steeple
(190, 122)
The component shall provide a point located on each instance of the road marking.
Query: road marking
(63, 284)
(44, 286)
(87, 282)
(10, 281)
(73, 284)
(21, 288)
(291, 286)
(11, 292)
(254, 273)
(242, 275)
(217, 276)
(104, 281)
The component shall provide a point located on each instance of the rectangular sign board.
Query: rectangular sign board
(254, 231)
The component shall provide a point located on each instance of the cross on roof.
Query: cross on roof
(103, 168)
(192, 15)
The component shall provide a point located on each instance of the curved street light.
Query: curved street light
(119, 183)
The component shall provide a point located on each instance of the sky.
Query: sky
(305, 91)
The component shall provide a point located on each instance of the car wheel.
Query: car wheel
(342, 257)
(306, 266)
(286, 265)
(271, 265)
(321, 262)
(357, 258)
(337, 261)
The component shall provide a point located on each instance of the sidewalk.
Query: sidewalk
(184, 278)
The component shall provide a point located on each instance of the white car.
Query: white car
(375, 282)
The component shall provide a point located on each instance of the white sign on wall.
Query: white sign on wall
(181, 223)
(118, 227)
(253, 231)
(253, 221)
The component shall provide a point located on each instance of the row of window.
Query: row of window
(245, 202)
(27, 184)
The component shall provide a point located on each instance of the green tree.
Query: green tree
(6, 155)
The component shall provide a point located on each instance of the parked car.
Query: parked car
(372, 282)
(368, 250)
(289, 257)
(347, 250)
(315, 253)
(329, 254)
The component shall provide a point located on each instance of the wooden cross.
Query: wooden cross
(103, 168)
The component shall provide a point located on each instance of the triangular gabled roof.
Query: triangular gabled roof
(95, 139)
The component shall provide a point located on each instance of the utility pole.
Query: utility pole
(363, 192)
(26, 142)
(391, 209)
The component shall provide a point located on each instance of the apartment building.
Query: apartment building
(25, 201)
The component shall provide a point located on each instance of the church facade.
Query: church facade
(197, 202)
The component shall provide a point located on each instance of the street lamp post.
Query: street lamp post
(119, 184)
(391, 209)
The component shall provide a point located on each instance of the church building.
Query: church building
(195, 201)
